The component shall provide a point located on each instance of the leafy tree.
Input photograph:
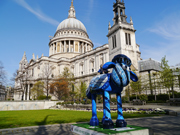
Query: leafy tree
(37, 90)
(59, 88)
(166, 75)
(138, 87)
(81, 88)
(67, 74)
(72, 94)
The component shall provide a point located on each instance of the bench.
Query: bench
(174, 101)
(138, 102)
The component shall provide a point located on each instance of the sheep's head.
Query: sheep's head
(121, 73)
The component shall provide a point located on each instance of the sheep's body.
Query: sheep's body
(110, 83)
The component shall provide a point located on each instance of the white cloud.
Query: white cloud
(97, 44)
(40, 15)
(169, 29)
(89, 11)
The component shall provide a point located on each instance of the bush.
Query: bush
(113, 100)
(88, 101)
(177, 94)
(71, 102)
(133, 97)
(124, 100)
(101, 101)
(143, 97)
(82, 102)
(77, 102)
(59, 103)
(157, 101)
(43, 97)
(162, 97)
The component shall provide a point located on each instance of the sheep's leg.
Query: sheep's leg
(103, 110)
(107, 123)
(94, 120)
(120, 122)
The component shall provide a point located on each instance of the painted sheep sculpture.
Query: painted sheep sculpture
(110, 83)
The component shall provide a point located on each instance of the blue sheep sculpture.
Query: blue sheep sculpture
(110, 83)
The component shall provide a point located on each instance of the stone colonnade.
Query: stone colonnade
(27, 92)
(69, 46)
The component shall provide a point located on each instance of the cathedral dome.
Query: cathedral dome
(71, 23)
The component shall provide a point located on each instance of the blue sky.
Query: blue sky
(25, 26)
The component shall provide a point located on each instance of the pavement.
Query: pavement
(163, 125)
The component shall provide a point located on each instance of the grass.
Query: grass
(12, 119)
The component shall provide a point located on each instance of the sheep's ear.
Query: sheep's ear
(133, 76)
(108, 65)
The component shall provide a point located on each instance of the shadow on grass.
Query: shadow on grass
(50, 129)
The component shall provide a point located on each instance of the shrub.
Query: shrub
(101, 101)
(113, 100)
(132, 97)
(162, 97)
(71, 102)
(88, 101)
(77, 102)
(59, 103)
(43, 97)
(82, 102)
(124, 100)
(143, 97)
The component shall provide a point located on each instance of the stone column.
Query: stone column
(24, 97)
(86, 47)
(53, 47)
(69, 46)
(74, 46)
(56, 46)
(64, 45)
(97, 62)
(28, 91)
(104, 58)
(60, 46)
(82, 47)
(78, 46)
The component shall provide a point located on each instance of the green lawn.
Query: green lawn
(12, 119)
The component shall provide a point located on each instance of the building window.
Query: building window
(32, 72)
(114, 41)
(81, 68)
(128, 38)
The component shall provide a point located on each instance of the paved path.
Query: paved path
(165, 125)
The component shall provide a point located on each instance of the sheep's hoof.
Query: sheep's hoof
(108, 124)
(94, 121)
(121, 123)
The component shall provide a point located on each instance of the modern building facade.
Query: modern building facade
(71, 47)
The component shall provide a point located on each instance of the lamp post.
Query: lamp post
(154, 74)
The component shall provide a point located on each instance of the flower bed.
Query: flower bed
(127, 110)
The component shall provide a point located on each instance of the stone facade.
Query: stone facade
(71, 47)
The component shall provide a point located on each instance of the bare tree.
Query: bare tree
(2, 74)
(47, 74)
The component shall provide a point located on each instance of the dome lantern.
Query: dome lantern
(72, 12)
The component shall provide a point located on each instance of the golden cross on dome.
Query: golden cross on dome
(72, 3)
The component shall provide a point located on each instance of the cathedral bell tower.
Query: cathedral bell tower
(121, 35)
